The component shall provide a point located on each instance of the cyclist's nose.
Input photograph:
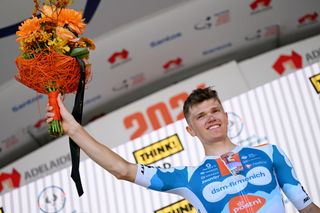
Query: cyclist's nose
(211, 117)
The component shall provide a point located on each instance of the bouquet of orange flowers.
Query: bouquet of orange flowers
(52, 52)
(54, 59)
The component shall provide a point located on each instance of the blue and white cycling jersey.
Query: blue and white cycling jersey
(249, 179)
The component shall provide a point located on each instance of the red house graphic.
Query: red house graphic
(12, 178)
(308, 17)
(172, 63)
(118, 56)
(254, 5)
(295, 59)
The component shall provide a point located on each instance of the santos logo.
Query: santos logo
(218, 190)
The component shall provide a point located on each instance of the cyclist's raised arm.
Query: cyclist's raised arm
(98, 152)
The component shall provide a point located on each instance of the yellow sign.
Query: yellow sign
(315, 80)
(1, 210)
(158, 150)
(180, 206)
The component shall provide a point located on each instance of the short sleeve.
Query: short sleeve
(144, 175)
(288, 180)
(161, 179)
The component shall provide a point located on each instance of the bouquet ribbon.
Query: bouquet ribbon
(77, 114)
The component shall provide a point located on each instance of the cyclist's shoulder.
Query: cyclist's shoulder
(267, 148)
(263, 147)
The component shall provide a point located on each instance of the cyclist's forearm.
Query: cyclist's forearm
(102, 154)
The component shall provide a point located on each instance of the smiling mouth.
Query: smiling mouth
(214, 126)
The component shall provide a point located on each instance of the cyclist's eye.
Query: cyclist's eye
(215, 111)
(200, 116)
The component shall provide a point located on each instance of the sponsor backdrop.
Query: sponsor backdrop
(280, 62)
(283, 112)
(129, 62)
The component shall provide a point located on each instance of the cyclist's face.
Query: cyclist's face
(208, 121)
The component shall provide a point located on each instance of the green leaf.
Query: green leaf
(80, 52)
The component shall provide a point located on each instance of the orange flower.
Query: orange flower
(73, 19)
(65, 34)
(27, 28)
(49, 11)
(58, 28)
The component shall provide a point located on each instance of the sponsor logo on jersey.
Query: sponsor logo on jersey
(315, 81)
(209, 173)
(180, 206)
(216, 191)
(159, 150)
(246, 203)
(306, 199)
(248, 166)
(233, 162)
